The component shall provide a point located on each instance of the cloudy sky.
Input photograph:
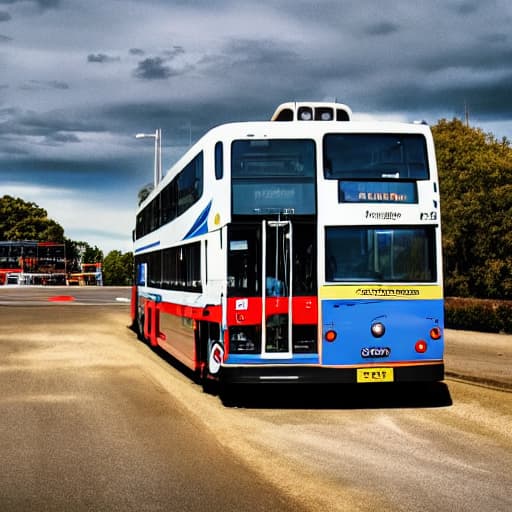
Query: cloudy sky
(79, 78)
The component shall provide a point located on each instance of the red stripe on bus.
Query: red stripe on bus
(248, 311)
(244, 311)
(208, 313)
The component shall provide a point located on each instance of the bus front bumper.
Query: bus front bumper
(320, 375)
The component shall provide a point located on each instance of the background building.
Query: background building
(30, 262)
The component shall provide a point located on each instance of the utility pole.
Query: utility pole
(158, 152)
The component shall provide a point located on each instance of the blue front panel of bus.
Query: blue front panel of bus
(406, 323)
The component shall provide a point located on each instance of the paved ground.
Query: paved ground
(472, 356)
(92, 419)
(85, 427)
(479, 357)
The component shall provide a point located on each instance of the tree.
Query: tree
(91, 254)
(72, 255)
(144, 192)
(118, 269)
(78, 252)
(21, 220)
(475, 173)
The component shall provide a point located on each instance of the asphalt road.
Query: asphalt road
(92, 419)
(58, 295)
(85, 426)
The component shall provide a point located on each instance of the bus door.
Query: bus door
(277, 275)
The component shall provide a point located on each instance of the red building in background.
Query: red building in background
(32, 262)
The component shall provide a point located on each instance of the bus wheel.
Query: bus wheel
(209, 384)
(212, 366)
(140, 325)
(229, 394)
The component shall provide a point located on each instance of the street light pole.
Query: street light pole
(158, 152)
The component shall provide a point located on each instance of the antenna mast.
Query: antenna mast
(466, 114)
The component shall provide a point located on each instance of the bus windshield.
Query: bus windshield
(380, 254)
(273, 158)
(375, 156)
(273, 175)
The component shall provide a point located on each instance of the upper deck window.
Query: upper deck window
(190, 184)
(273, 175)
(175, 198)
(375, 156)
(219, 160)
(273, 158)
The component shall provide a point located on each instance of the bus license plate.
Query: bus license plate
(375, 375)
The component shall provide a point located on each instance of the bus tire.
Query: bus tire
(229, 394)
(139, 325)
(210, 377)
(210, 385)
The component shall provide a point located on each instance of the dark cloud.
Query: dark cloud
(48, 4)
(134, 117)
(260, 52)
(136, 51)
(383, 28)
(275, 67)
(42, 4)
(494, 38)
(55, 84)
(44, 84)
(83, 175)
(5, 39)
(467, 7)
(328, 12)
(9, 111)
(101, 58)
(200, 3)
(181, 119)
(155, 68)
(488, 100)
(241, 58)
(61, 138)
(18, 122)
(4, 16)
(174, 52)
(477, 57)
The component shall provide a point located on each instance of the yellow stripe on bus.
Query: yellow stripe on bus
(378, 291)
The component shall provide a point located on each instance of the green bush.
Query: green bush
(478, 315)
(504, 313)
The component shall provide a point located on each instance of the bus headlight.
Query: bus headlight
(378, 329)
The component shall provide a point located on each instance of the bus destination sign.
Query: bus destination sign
(377, 192)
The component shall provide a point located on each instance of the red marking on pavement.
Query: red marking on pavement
(61, 298)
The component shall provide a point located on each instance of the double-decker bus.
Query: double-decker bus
(302, 249)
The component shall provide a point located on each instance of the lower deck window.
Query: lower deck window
(385, 254)
(176, 268)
